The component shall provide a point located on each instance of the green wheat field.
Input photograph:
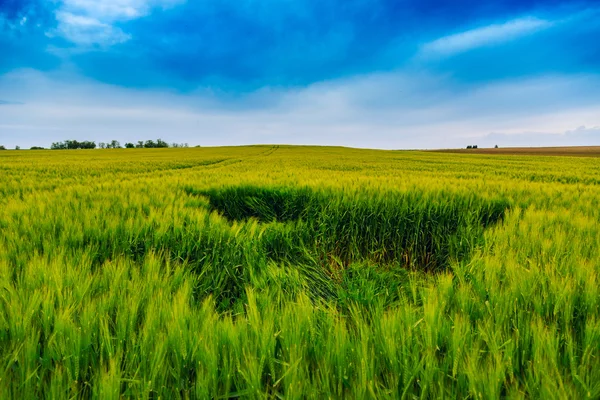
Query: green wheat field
(268, 272)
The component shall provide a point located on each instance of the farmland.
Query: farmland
(295, 272)
(570, 151)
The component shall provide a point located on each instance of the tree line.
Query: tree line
(114, 144)
(73, 145)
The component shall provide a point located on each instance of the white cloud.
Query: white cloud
(391, 110)
(483, 36)
(78, 20)
(91, 23)
(107, 9)
(113, 10)
(581, 136)
(88, 31)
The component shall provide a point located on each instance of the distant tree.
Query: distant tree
(17, 147)
(114, 144)
(36, 148)
(72, 144)
(496, 146)
(469, 147)
(475, 146)
(2, 148)
(87, 145)
(58, 146)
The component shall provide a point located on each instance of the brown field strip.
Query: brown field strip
(572, 151)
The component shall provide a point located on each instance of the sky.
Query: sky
(403, 74)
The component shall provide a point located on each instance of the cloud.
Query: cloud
(4, 102)
(244, 45)
(87, 31)
(483, 36)
(382, 110)
(106, 9)
(116, 10)
(581, 136)
(566, 46)
(91, 23)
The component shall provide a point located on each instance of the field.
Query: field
(298, 272)
(570, 151)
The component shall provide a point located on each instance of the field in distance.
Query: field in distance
(267, 272)
(571, 151)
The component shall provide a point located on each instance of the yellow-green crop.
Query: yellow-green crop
(298, 272)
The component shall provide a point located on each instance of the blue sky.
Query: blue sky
(377, 73)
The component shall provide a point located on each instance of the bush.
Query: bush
(2, 148)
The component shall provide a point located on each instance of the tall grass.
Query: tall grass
(290, 272)
(412, 229)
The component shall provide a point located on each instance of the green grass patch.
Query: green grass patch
(419, 230)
